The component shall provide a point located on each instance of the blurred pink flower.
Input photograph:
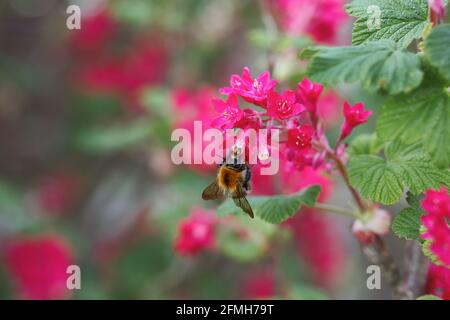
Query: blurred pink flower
(328, 107)
(295, 182)
(38, 266)
(96, 32)
(143, 65)
(320, 245)
(57, 192)
(354, 116)
(252, 90)
(438, 281)
(437, 207)
(283, 106)
(258, 285)
(320, 19)
(196, 232)
(190, 105)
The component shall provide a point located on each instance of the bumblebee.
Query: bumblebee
(233, 181)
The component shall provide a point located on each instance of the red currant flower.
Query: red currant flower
(354, 116)
(250, 119)
(437, 207)
(300, 138)
(196, 232)
(252, 90)
(308, 93)
(283, 106)
(230, 113)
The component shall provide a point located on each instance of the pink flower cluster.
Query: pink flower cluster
(196, 232)
(143, 64)
(437, 207)
(38, 266)
(294, 112)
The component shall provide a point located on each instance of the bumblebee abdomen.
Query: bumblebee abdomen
(228, 179)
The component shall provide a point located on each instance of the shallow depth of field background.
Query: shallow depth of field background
(85, 170)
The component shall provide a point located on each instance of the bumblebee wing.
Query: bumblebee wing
(240, 200)
(212, 192)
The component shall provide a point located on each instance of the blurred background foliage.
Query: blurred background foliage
(85, 171)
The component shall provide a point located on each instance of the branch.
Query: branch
(377, 254)
(343, 172)
(376, 251)
(416, 267)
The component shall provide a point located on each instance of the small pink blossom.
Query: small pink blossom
(437, 207)
(57, 192)
(95, 35)
(283, 106)
(300, 138)
(252, 90)
(230, 113)
(196, 232)
(354, 116)
(308, 94)
(259, 285)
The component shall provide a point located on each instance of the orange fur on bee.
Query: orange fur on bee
(228, 178)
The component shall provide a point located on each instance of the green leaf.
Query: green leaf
(365, 144)
(422, 116)
(400, 20)
(275, 209)
(141, 264)
(379, 66)
(14, 215)
(428, 297)
(384, 180)
(407, 224)
(437, 49)
(249, 248)
(302, 292)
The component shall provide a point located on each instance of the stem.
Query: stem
(343, 172)
(416, 265)
(336, 209)
(376, 252)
